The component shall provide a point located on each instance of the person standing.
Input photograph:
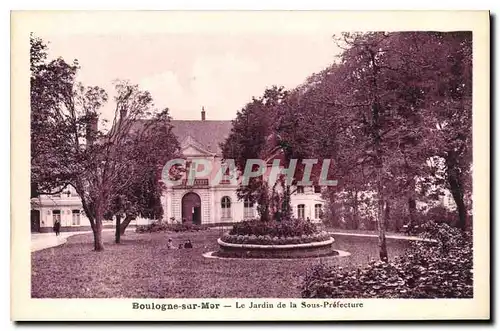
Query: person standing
(57, 227)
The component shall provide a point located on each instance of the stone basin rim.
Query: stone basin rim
(287, 246)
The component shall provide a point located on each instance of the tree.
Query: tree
(149, 146)
(449, 111)
(362, 89)
(249, 139)
(49, 84)
(68, 147)
(379, 104)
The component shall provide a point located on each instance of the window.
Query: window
(300, 189)
(76, 217)
(248, 209)
(301, 211)
(56, 216)
(226, 207)
(317, 189)
(317, 211)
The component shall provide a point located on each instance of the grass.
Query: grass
(143, 267)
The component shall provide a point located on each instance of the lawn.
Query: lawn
(143, 267)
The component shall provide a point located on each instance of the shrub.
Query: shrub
(284, 228)
(439, 269)
(164, 227)
(440, 214)
(437, 214)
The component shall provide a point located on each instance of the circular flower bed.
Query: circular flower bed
(285, 228)
(268, 240)
(286, 239)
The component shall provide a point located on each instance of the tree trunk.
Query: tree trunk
(126, 222)
(458, 196)
(382, 214)
(98, 243)
(355, 212)
(383, 209)
(387, 215)
(412, 203)
(117, 229)
(382, 243)
(456, 188)
(263, 203)
(412, 208)
(375, 132)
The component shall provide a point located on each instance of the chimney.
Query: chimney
(202, 113)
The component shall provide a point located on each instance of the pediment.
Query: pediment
(191, 147)
(193, 151)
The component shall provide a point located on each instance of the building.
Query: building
(65, 207)
(203, 202)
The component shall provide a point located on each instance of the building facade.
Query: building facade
(205, 201)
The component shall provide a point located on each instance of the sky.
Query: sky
(215, 59)
(185, 71)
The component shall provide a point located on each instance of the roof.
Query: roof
(208, 133)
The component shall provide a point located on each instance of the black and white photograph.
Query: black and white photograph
(307, 168)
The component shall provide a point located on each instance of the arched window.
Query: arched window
(317, 211)
(226, 207)
(301, 211)
(248, 209)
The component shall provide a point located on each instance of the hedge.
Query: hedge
(440, 269)
(165, 227)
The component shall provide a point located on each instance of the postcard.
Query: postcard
(250, 165)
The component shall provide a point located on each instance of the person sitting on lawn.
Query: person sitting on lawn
(170, 245)
(188, 244)
(180, 246)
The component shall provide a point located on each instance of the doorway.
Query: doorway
(191, 208)
(35, 220)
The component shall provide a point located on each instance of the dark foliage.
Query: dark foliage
(438, 214)
(269, 240)
(284, 228)
(440, 267)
